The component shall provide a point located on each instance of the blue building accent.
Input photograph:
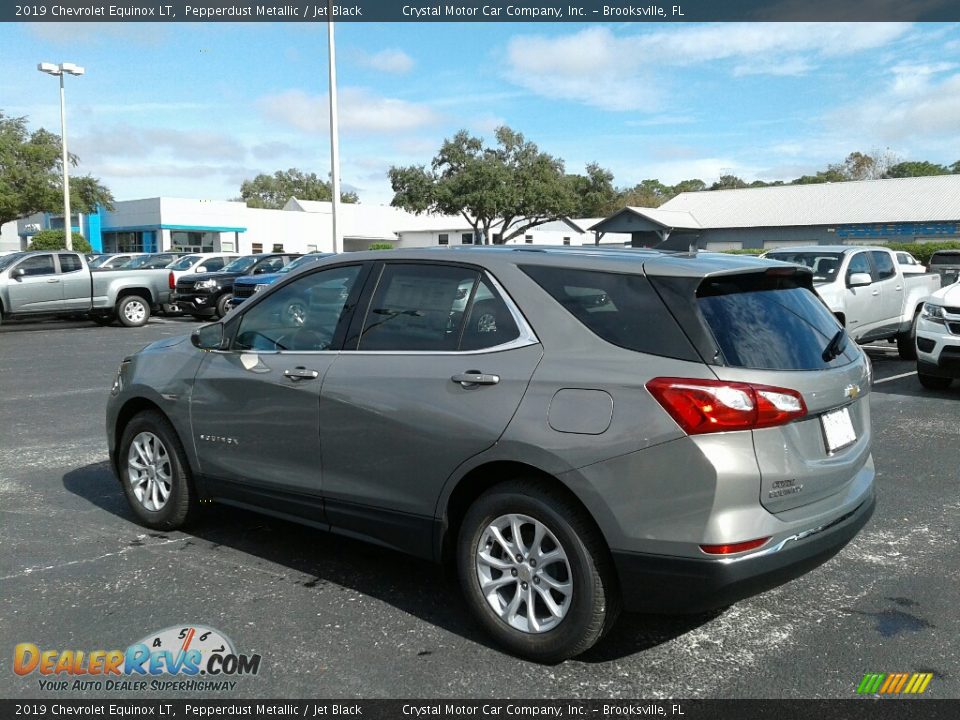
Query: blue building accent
(93, 234)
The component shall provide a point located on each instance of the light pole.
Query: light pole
(60, 70)
(334, 131)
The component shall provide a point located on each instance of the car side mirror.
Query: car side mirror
(209, 337)
(18, 273)
(859, 279)
(200, 269)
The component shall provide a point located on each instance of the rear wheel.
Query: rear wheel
(907, 341)
(133, 311)
(535, 571)
(933, 382)
(154, 472)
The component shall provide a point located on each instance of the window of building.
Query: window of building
(277, 247)
(257, 248)
(443, 239)
(566, 241)
(528, 239)
(311, 248)
(466, 239)
(497, 237)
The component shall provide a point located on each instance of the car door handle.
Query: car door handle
(53, 280)
(475, 377)
(300, 373)
(875, 293)
(898, 287)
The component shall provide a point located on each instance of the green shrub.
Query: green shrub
(54, 240)
(746, 251)
(381, 246)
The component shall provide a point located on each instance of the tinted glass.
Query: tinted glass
(825, 265)
(215, 264)
(301, 261)
(884, 264)
(269, 265)
(241, 264)
(69, 263)
(8, 260)
(859, 264)
(37, 265)
(418, 308)
(185, 263)
(302, 316)
(769, 323)
(621, 308)
(945, 259)
(489, 322)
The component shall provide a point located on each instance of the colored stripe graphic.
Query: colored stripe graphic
(894, 683)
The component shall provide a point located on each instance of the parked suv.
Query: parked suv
(578, 431)
(946, 263)
(938, 339)
(210, 294)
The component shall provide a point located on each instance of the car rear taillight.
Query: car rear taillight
(171, 281)
(732, 548)
(705, 406)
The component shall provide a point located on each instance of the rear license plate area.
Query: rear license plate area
(838, 430)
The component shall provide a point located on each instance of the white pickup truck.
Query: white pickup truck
(60, 283)
(867, 291)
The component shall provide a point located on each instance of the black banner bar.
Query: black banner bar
(480, 11)
(855, 709)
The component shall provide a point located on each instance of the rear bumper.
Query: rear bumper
(680, 585)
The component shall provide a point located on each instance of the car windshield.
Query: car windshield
(825, 265)
(8, 260)
(241, 264)
(136, 262)
(185, 263)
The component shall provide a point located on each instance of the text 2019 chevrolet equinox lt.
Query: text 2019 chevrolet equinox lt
(579, 431)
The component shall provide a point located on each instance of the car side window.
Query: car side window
(37, 265)
(884, 264)
(69, 263)
(270, 265)
(859, 264)
(302, 316)
(213, 264)
(489, 321)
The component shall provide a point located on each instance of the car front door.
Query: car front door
(430, 376)
(34, 285)
(255, 405)
(863, 310)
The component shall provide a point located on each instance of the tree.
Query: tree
(916, 169)
(54, 240)
(695, 185)
(273, 191)
(728, 182)
(594, 192)
(512, 186)
(31, 174)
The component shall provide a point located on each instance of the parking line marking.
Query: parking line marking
(894, 377)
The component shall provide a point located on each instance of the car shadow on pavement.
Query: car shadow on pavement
(318, 558)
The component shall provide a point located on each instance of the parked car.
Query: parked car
(946, 263)
(112, 261)
(908, 263)
(152, 261)
(938, 339)
(61, 284)
(867, 291)
(584, 431)
(246, 286)
(210, 296)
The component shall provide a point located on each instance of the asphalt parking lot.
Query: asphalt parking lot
(333, 617)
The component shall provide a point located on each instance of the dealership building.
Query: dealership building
(922, 209)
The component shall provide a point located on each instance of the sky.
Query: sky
(192, 110)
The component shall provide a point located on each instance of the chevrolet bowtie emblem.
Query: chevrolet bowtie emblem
(852, 391)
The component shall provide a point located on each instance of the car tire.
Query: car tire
(133, 311)
(580, 579)
(163, 499)
(933, 382)
(223, 305)
(907, 341)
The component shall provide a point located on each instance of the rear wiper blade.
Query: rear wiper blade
(837, 344)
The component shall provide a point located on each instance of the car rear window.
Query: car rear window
(621, 308)
(769, 322)
(945, 259)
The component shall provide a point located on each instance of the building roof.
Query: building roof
(921, 199)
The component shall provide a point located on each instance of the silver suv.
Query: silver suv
(579, 431)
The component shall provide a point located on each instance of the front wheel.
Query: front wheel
(154, 472)
(133, 311)
(907, 341)
(535, 571)
(223, 305)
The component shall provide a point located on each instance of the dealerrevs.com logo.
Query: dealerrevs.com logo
(187, 657)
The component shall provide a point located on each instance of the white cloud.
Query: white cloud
(360, 111)
(388, 61)
(616, 72)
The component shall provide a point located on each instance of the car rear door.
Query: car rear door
(75, 282)
(890, 283)
(255, 406)
(769, 331)
(431, 375)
